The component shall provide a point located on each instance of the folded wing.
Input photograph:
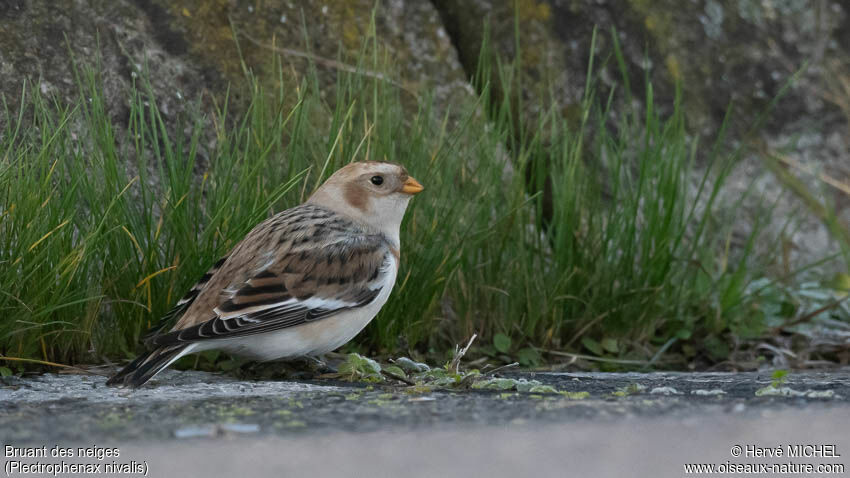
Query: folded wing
(301, 287)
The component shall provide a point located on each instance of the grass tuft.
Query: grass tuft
(599, 237)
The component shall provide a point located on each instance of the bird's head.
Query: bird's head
(371, 192)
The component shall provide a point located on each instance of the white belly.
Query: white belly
(314, 338)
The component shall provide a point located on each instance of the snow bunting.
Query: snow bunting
(301, 283)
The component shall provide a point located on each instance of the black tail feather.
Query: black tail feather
(145, 366)
(123, 375)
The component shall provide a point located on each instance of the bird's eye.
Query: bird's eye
(377, 180)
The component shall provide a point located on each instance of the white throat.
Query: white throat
(387, 212)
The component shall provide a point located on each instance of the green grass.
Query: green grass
(104, 226)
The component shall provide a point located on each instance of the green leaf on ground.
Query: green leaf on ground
(529, 357)
(502, 342)
(395, 370)
(592, 345)
(611, 345)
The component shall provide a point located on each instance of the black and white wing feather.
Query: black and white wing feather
(168, 320)
(299, 288)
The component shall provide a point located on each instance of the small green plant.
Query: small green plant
(779, 377)
(630, 389)
(357, 367)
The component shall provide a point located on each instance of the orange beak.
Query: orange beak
(412, 186)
